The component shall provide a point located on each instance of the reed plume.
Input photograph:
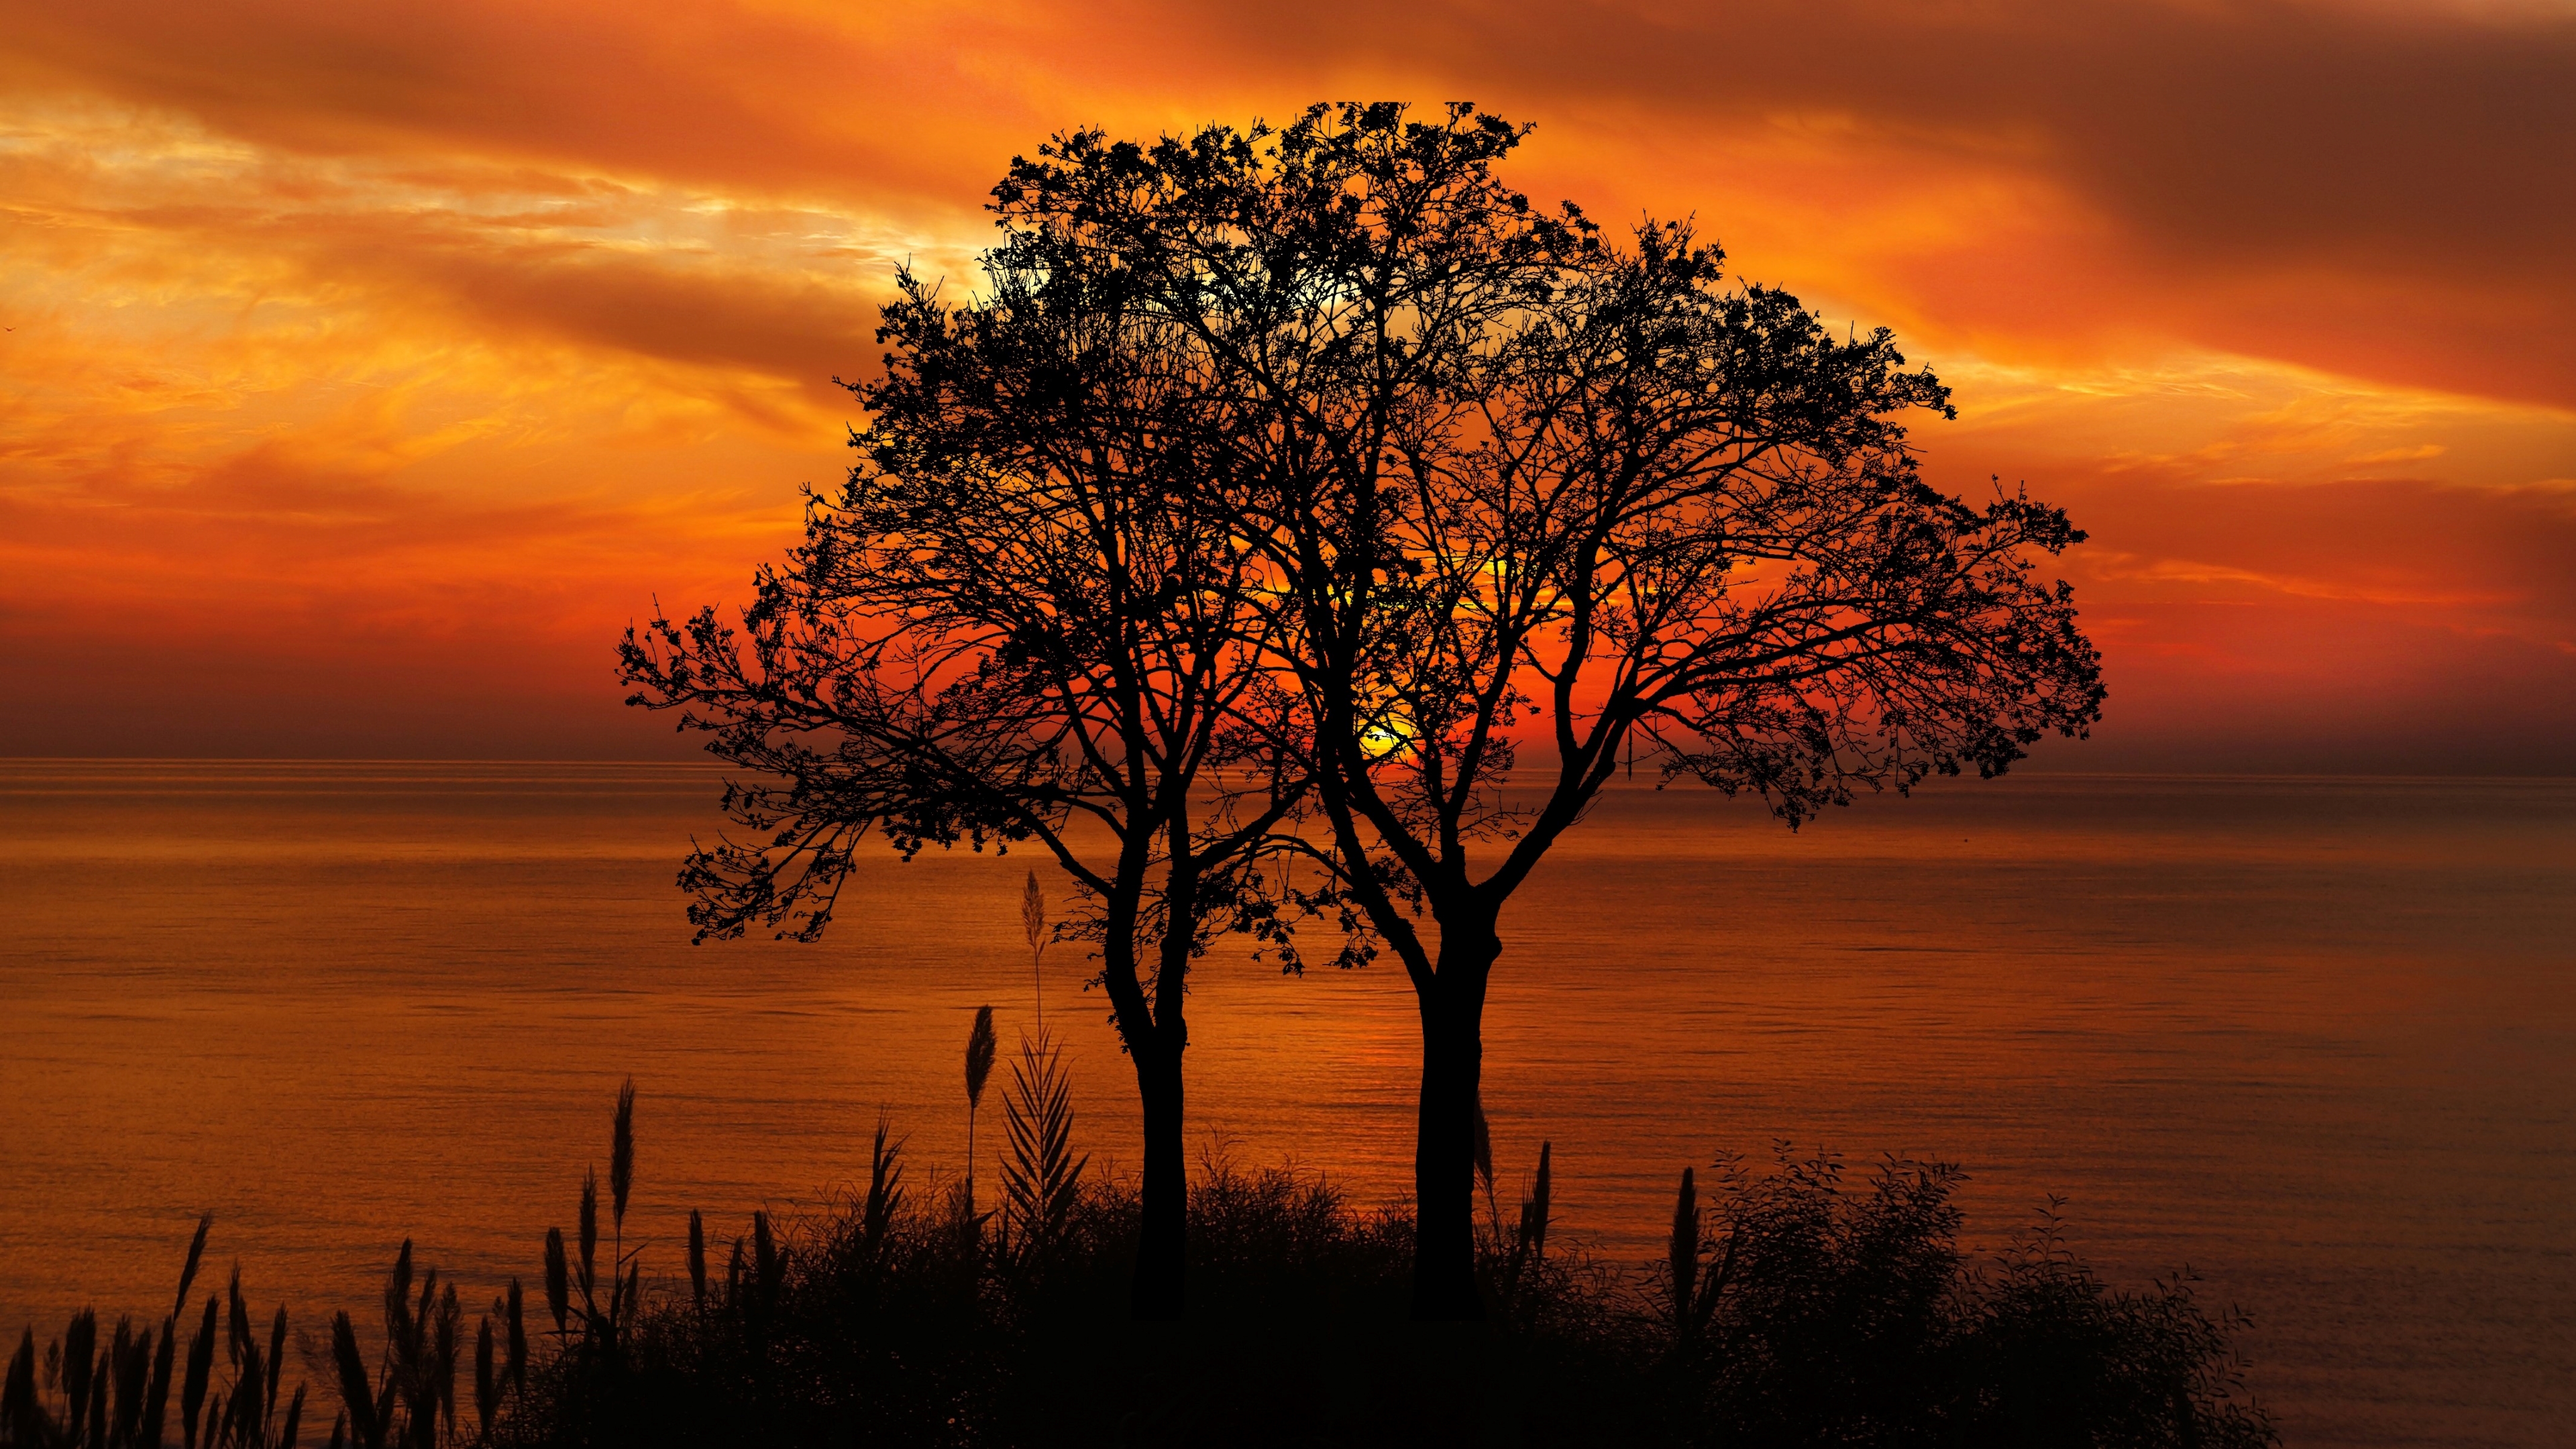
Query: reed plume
(444, 1345)
(357, 1399)
(487, 1383)
(589, 1239)
(196, 1254)
(1695, 1292)
(979, 1067)
(558, 1285)
(621, 1150)
(885, 1188)
(201, 1363)
(1534, 1208)
(156, 1398)
(18, 1410)
(517, 1321)
(1033, 923)
(80, 1342)
(133, 1370)
(276, 1355)
(294, 1420)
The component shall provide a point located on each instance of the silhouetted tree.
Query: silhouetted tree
(1022, 620)
(1510, 481)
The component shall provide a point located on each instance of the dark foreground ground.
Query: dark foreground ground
(1799, 1305)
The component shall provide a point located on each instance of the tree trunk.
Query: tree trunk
(1162, 1248)
(1444, 1151)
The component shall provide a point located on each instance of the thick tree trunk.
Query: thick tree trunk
(1162, 1249)
(1444, 1152)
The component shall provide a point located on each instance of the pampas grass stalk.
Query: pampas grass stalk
(276, 1358)
(621, 1181)
(156, 1397)
(1684, 1253)
(18, 1399)
(487, 1384)
(979, 1067)
(80, 1342)
(516, 1320)
(445, 1344)
(294, 1420)
(589, 1240)
(885, 1187)
(558, 1286)
(196, 1255)
(201, 1363)
(1033, 923)
(357, 1399)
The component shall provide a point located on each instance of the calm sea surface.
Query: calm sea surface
(2314, 1038)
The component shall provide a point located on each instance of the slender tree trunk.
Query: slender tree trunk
(1162, 1248)
(1444, 1152)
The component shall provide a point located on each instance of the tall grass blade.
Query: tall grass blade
(237, 1315)
(196, 1255)
(445, 1343)
(156, 1398)
(18, 1411)
(487, 1384)
(589, 1235)
(201, 1363)
(294, 1421)
(518, 1339)
(1534, 1212)
(1684, 1253)
(558, 1291)
(979, 1068)
(133, 1377)
(885, 1188)
(398, 1319)
(357, 1399)
(621, 1153)
(80, 1347)
(276, 1355)
(1033, 924)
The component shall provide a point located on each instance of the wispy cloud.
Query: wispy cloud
(425, 341)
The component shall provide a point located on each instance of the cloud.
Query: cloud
(378, 362)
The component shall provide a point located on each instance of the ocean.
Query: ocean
(2312, 1039)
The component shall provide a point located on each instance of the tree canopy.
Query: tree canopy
(1314, 472)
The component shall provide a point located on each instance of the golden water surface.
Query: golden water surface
(2314, 1038)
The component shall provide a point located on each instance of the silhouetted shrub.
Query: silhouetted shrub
(1815, 1313)
(1794, 1307)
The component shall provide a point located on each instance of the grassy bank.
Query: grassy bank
(1797, 1304)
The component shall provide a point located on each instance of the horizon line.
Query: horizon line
(2393, 776)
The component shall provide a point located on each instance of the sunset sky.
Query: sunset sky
(373, 365)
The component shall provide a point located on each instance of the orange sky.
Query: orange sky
(373, 365)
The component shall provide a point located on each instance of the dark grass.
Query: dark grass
(1821, 1311)
(1800, 1304)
